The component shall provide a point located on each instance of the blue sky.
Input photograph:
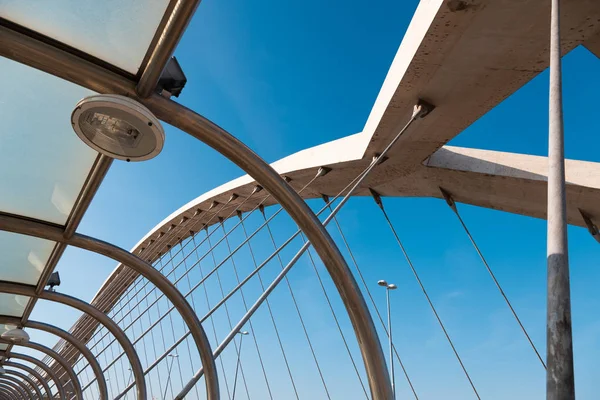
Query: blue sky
(283, 76)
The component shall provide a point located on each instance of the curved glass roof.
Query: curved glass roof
(116, 31)
(44, 166)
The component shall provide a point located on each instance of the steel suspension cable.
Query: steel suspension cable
(228, 315)
(182, 225)
(185, 222)
(420, 110)
(287, 365)
(289, 286)
(379, 203)
(237, 277)
(368, 291)
(212, 322)
(222, 301)
(185, 274)
(188, 387)
(319, 173)
(337, 323)
(173, 332)
(168, 351)
(189, 282)
(452, 205)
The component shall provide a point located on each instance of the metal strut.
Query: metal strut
(379, 202)
(452, 205)
(592, 228)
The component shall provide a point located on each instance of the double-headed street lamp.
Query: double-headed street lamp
(388, 287)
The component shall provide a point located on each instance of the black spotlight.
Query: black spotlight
(53, 281)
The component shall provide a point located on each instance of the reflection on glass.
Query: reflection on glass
(23, 257)
(116, 31)
(43, 164)
(12, 305)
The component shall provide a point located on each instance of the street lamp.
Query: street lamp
(173, 357)
(15, 336)
(237, 365)
(388, 287)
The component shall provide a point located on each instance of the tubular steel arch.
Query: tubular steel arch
(136, 366)
(59, 359)
(102, 388)
(10, 395)
(19, 385)
(51, 232)
(13, 388)
(46, 368)
(27, 379)
(19, 47)
(33, 372)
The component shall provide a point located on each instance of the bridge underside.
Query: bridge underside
(463, 57)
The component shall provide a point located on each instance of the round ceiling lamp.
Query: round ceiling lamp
(16, 336)
(118, 127)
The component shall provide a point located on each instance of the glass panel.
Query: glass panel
(5, 327)
(116, 31)
(23, 257)
(12, 305)
(43, 164)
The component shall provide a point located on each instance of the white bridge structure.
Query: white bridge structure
(226, 251)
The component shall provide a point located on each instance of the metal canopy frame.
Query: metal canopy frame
(76, 343)
(8, 390)
(27, 379)
(46, 368)
(18, 385)
(32, 372)
(61, 361)
(38, 52)
(84, 307)
(15, 387)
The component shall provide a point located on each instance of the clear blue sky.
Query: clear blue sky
(283, 76)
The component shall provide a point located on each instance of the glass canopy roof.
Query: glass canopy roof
(116, 31)
(43, 164)
(12, 304)
(23, 257)
(43, 167)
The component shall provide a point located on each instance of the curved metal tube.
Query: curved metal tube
(9, 392)
(102, 388)
(178, 20)
(36, 54)
(84, 307)
(27, 379)
(16, 389)
(5, 392)
(51, 232)
(59, 359)
(220, 140)
(33, 372)
(46, 368)
(19, 385)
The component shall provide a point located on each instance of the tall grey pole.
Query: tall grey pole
(560, 381)
(389, 315)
